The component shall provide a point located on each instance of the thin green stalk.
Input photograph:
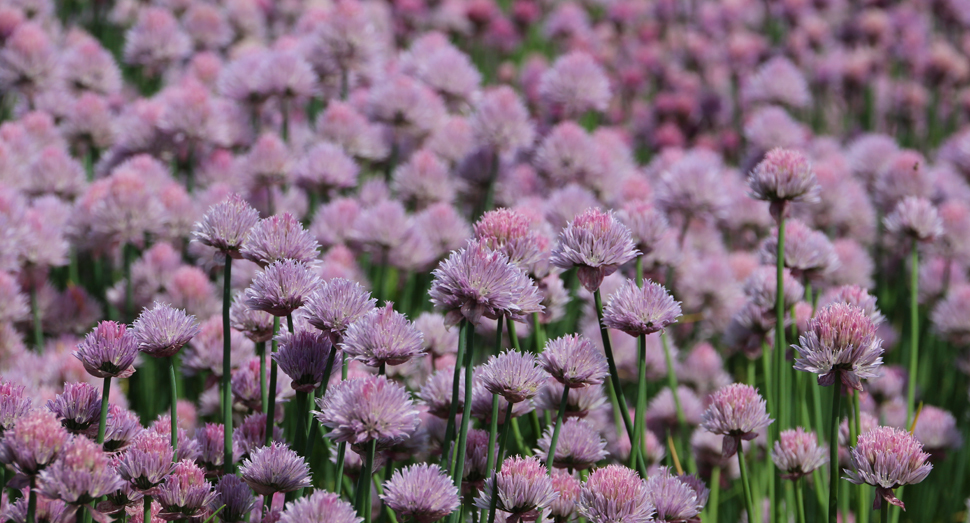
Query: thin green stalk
(493, 426)
(834, 454)
(715, 498)
(147, 504)
(314, 423)
(468, 331)
(263, 394)
(341, 455)
(371, 454)
(302, 410)
(780, 346)
(513, 337)
(914, 332)
(540, 333)
(636, 443)
(551, 457)
(671, 381)
(129, 256)
(32, 501)
(37, 324)
(227, 368)
(519, 440)
(103, 421)
(271, 392)
(172, 381)
(746, 485)
(799, 500)
(455, 393)
(640, 271)
(884, 513)
(862, 514)
(498, 466)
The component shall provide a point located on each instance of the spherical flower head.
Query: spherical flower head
(279, 237)
(336, 305)
(568, 487)
(439, 338)
(596, 243)
(436, 393)
(13, 405)
(108, 351)
(422, 492)
(857, 296)
(303, 357)
(808, 253)
(513, 375)
(78, 407)
(475, 282)
(738, 413)
(501, 121)
(574, 84)
(121, 428)
(226, 225)
(648, 224)
(785, 175)
(163, 330)
(840, 345)
(276, 468)
(937, 430)
(761, 288)
(916, 218)
(797, 453)
(579, 447)
(81, 474)
(211, 441)
(235, 498)
(33, 443)
(615, 494)
(574, 361)
(320, 506)
(674, 499)
(886, 458)
(185, 493)
(512, 233)
(522, 486)
(639, 311)
(325, 167)
(147, 462)
(363, 409)
(662, 411)
(282, 287)
(256, 325)
(383, 336)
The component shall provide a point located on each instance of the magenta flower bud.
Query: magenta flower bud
(336, 304)
(511, 233)
(234, 497)
(383, 336)
(512, 375)
(736, 412)
(363, 409)
(522, 487)
(574, 361)
(78, 408)
(320, 506)
(162, 330)
(568, 487)
(13, 405)
(422, 492)
(279, 237)
(916, 218)
(81, 474)
(797, 453)
(597, 244)
(276, 468)
(185, 493)
(147, 462)
(33, 443)
(303, 357)
(226, 225)
(640, 311)
(108, 351)
(840, 346)
(615, 494)
(282, 287)
(674, 499)
(887, 458)
(579, 446)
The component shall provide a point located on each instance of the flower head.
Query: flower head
(797, 453)
(163, 330)
(597, 244)
(303, 357)
(615, 494)
(108, 351)
(807, 253)
(647, 224)
(336, 304)
(122, 426)
(226, 225)
(436, 393)
(916, 218)
(383, 336)
(275, 468)
(512, 233)
(512, 375)
(840, 344)
(13, 405)
(738, 413)
(282, 287)
(256, 325)
(856, 296)
(937, 430)
(363, 409)
(422, 492)
(639, 311)
(320, 506)
(785, 175)
(185, 493)
(147, 462)
(501, 121)
(574, 361)
(81, 474)
(235, 498)
(674, 499)
(568, 487)
(886, 458)
(78, 407)
(574, 84)
(279, 237)
(33, 443)
(521, 486)
(579, 446)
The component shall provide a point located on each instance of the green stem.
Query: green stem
(32, 500)
(103, 421)
(799, 500)
(271, 393)
(493, 426)
(129, 255)
(671, 381)
(636, 443)
(640, 271)
(341, 454)
(147, 504)
(862, 514)
(455, 393)
(780, 345)
(175, 397)
(498, 466)
(513, 337)
(614, 375)
(263, 394)
(314, 422)
(540, 334)
(745, 483)
(715, 494)
(302, 409)
(834, 453)
(227, 368)
(519, 440)
(38, 325)
(884, 513)
(551, 457)
(468, 331)
(914, 332)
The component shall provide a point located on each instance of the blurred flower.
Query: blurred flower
(81, 474)
(33, 443)
(916, 218)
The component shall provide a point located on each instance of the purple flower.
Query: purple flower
(436, 393)
(147, 462)
(568, 487)
(439, 338)
(211, 440)
(937, 430)
(579, 403)
(640, 311)
(425, 179)
(15, 307)
(521, 487)
(808, 253)
(513, 234)
(661, 414)
(761, 288)
(597, 244)
(501, 121)
(482, 403)
(916, 218)
(785, 175)
(574, 361)
(777, 81)
(692, 187)
(235, 498)
(13, 405)
(121, 428)
(615, 494)
(422, 492)
(647, 224)
(575, 84)
(363, 409)
(33, 443)
(513, 375)
(282, 287)
(155, 41)
(78, 408)
(266, 165)
(335, 305)
(325, 167)
(738, 413)
(475, 282)
(886, 458)
(320, 506)
(579, 447)
(276, 468)
(568, 154)
(226, 225)
(256, 325)
(674, 499)
(857, 296)
(108, 351)
(251, 433)
(81, 474)
(797, 453)
(204, 352)
(840, 346)
(383, 336)
(279, 237)
(162, 330)
(303, 357)
(185, 493)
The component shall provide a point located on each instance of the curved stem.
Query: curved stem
(227, 368)
(914, 332)
(271, 392)
(103, 421)
(175, 432)
(834, 453)
(745, 483)
(551, 456)
(468, 331)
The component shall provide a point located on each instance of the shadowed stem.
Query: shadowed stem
(271, 393)
(914, 331)
(671, 381)
(302, 407)
(468, 331)
(834, 453)
(540, 334)
(493, 425)
(175, 397)
(780, 345)
(551, 457)
(498, 466)
(342, 446)
(362, 495)
(862, 513)
(32, 501)
(745, 483)
(884, 513)
(227, 369)
(38, 327)
(636, 443)
(263, 394)
(455, 392)
(147, 501)
(129, 256)
(314, 422)
(103, 420)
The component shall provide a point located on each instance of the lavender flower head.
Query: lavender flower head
(512, 375)
(422, 492)
(574, 84)
(78, 407)
(303, 357)
(276, 468)
(512, 233)
(211, 442)
(320, 506)
(256, 325)
(436, 393)
(568, 487)
(574, 361)
(234, 496)
(33, 443)
(840, 345)
(738, 413)
(640, 311)
(886, 458)
(937, 430)
(522, 486)
(383, 336)
(797, 453)
(108, 351)
(579, 447)
(475, 282)
(163, 330)
(596, 243)
(647, 224)
(785, 175)
(615, 494)
(226, 225)
(363, 409)
(808, 253)
(279, 237)
(81, 474)
(148, 461)
(336, 304)
(13, 405)
(282, 287)
(674, 499)
(916, 218)
(185, 493)
(122, 426)
(857, 296)
(501, 121)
